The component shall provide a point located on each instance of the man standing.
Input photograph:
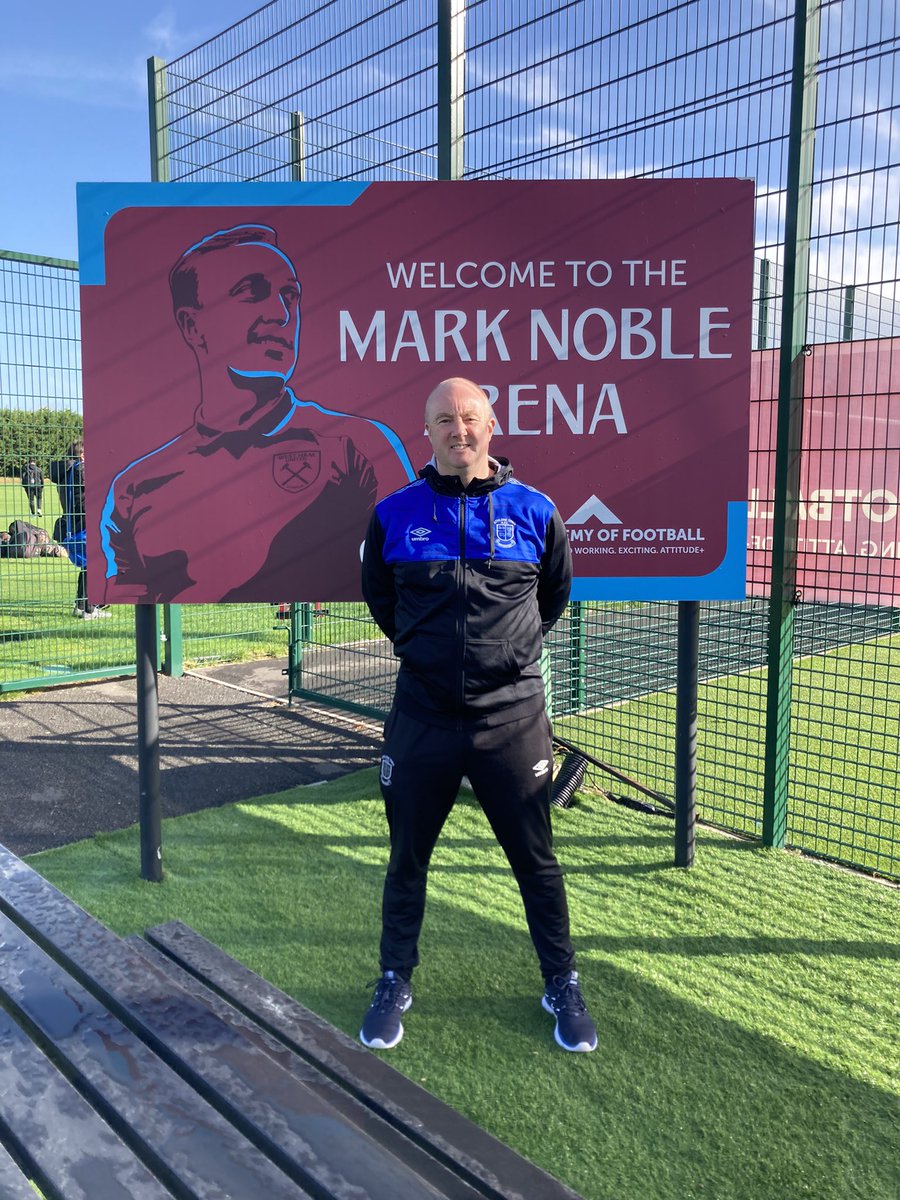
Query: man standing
(75, 534)
(33, 483)
(261, 481)
(465, 570)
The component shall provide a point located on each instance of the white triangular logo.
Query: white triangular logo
(593, 508)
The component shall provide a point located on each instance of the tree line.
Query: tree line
(42, 434)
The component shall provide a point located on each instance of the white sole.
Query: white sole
(581, 1048)
(378, 1044)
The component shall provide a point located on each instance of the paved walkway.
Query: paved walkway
(68, 755)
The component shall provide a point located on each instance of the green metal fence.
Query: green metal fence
(41, 642)
(40, 415)
(797, 723)
(798, 706)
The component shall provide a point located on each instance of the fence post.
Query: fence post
(158, 107)
(686, 731)
(849, 303)
(790, 420)
(577, 657)
(451, 56)
(173, 651)
(298, 148)
(762, 322)
(159, 120)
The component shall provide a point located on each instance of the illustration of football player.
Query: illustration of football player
(263, 491)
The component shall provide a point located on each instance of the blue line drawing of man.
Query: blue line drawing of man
(263, 491)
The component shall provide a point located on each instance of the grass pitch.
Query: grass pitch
(746, 1008)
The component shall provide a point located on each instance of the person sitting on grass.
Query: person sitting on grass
(24, 540)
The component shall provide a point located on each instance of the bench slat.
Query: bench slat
(52, 1126)
(14, 1184)
(448, 1184)
(189, 1144)
(494, 1168)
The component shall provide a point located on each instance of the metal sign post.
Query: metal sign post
(146, 641)
(686, 731)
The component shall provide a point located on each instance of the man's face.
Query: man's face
(248, 320)
(459, 424)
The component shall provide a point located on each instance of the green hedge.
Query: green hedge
(42, 435)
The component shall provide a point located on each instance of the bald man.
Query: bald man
(466, 570)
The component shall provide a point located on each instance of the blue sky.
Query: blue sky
(73, 103)
(73, 106)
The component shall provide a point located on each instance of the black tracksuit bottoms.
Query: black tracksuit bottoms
(510, 769)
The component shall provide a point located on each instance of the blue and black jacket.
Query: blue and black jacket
(465, 582)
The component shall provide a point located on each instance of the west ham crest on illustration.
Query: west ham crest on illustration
(295, 470)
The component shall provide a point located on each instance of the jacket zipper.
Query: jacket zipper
(461, 607)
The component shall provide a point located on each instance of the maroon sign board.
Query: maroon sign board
(848, 504)
(257, 357)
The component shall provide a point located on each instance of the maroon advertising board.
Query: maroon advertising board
(849, 485)
(257, 359)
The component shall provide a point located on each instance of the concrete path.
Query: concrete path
(68, 755)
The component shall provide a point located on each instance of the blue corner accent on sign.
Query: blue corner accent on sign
(98, 202)
(727, 582)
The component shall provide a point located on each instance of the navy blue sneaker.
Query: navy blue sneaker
(574, 1028)
(382, 1028)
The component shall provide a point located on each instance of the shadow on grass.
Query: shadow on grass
(678, 1101)
(727, 946)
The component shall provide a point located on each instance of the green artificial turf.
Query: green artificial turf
(746, 1007)
(843, 773)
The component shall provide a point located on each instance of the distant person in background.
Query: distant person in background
(59, 468)
(25, 540)
(33, 483)
(72, 492)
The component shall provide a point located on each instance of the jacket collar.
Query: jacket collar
(452, 485)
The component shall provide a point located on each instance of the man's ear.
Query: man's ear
(187, 323)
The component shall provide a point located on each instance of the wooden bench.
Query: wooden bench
(159, 1067)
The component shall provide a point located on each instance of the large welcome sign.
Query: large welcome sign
(257, 359)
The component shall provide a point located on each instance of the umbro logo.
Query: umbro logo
(419, 534)
(541, 767)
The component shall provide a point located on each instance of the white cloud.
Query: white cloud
(161, 34)
(61, 77)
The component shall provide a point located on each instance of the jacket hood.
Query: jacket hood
(452, 485)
